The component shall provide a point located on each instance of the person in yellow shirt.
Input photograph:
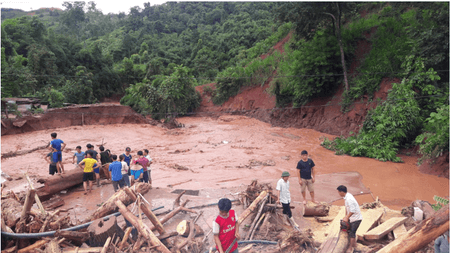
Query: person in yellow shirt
(89, 164)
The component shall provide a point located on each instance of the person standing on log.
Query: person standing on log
(128, 158)
(52, 164)
(144, 163)
(124, 171)
(57, 146)
(96, 157)
(116, 175)
(283, 187)
(88, 171)
(146, 153)
(79, 154)
(353, 215)
(306, 175)
(226, 227)
(441, 244)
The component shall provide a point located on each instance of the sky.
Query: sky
(106, 6)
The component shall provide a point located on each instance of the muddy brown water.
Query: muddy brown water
(217, 153)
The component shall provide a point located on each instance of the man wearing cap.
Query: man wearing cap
(306, 175)
(283, 187)
(225, 228)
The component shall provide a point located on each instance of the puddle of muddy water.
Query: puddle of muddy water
(215, 164)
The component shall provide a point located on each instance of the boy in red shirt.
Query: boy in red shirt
(225, 227)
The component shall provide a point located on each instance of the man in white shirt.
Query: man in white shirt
(283, 187)
(353, 215)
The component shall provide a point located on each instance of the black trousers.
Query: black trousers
(287, 209)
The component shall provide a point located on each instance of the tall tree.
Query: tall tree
(308, 17)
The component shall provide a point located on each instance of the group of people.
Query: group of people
(226, 225)
(124, 172)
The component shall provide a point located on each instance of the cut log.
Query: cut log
(399, 231)
(74, 236)
(171, 214)
(29, 201)
(316, 210)
(53, 203)
(33, 246)
(252, 207)
(148, 212)
(55, 184)
(324, 219)
(256, 218)
(370, 218)
(141, 227)
(342, 243)
(110, 207)
(420, 235)
(100, 230)
(332, 233)
(183, 228)
(384, 228)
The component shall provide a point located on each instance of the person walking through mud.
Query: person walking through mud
(283, 188)
(306, 175)
(57, 146)
(353, 215)
(226, 228)
(89, 165)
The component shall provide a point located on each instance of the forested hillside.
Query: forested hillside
(157, 54)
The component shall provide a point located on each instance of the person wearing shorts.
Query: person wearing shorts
(52, 164)
(95, 156)
(57, 146)
(136, 172)
(89, 165)
(306, 175)
(144, 163)
(353, 215)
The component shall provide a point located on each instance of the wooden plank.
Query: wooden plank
(385, 228)
(332, 233)
(369, 220)
(399, 231)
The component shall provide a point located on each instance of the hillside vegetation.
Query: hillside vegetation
(157, 54)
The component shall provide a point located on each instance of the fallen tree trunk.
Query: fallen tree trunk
(74, 236)
(55, 184)
(141, 227)
(421, 235)
(110, 207)
(252, 207)
(156, 223)
(316, 210)
(171, 214)
(23, 152)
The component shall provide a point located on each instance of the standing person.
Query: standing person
(306, 175)
(95, 156)
(124, 170)
(57, 145)
(226, 227)
(52, 164)
(105, 159)
(116, 175)
(441, 244)
(144, 163)
(146, 153)
(89, 164)
(283, 187)
(128, 158)
(79, 154)
(353, 215)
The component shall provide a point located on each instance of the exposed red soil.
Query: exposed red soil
(438, 166)
(78, 115)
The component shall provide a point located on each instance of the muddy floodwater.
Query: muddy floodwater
(225, 152)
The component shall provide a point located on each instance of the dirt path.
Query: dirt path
(217, 153)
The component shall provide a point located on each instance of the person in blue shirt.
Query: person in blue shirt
(441, 244)
(116, 175)
(128, 158)
(80, 155)
(57, 145)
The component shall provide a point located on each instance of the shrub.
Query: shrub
(56, 98)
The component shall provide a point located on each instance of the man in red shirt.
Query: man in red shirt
(226, 227)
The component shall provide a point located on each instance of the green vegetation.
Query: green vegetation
(441, 202)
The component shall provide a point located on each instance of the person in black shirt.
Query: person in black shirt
(306, 175)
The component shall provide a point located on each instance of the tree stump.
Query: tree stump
(11, 210)
(183, 228)
(316, 210)
(100, 231)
